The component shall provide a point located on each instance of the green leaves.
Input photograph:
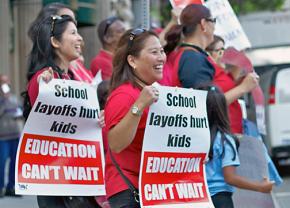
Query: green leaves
(247, 6)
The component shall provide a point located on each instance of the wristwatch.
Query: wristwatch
(136, 111)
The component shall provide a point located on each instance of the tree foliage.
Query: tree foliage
(247, 6)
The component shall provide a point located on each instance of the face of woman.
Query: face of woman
(218, 51)
(210, 26)
(69, 47)
(149, 65)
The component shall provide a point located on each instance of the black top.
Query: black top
(194, 67)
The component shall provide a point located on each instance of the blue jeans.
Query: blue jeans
(223, 200)
(8, 149)
(124, 199)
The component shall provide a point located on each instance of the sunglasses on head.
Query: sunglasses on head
(133, 34)
(109, 22)
(54, 18)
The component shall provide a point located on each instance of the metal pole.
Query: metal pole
(141, 9)
(145, 14)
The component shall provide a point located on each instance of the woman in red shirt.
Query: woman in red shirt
(192, 66)
(228, 84)
(137, 64)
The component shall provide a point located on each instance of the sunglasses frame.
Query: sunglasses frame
(135, 32)
(211, 19)
(54, 18)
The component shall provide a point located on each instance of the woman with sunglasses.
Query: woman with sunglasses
(77, 67)
(192, 66)
(56, 43)
(137, 64)
(216, 50)
(232, 87)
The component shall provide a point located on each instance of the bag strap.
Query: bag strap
(127, 181)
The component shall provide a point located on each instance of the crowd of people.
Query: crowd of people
(130, 61)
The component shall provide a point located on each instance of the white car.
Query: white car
(278, 115)
(273, 66)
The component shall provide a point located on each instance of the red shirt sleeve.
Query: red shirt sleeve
(118, 105)
(33, 87)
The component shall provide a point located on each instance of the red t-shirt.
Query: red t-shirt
(118, 105)
(104, 62)
(226, 82)
(33, 85)
(80, 72)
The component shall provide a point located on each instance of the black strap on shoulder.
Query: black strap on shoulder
(197, 48)
(127, 181)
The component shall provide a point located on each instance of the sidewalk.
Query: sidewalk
(18, 202)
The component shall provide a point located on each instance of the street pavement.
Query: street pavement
(281, 194)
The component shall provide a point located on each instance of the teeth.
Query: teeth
(159, 66)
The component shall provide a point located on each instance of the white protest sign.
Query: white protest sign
(97, 79)
(176, 143)
(228, 25)
(61, 149)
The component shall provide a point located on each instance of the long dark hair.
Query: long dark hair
(190, 17)
(42, 54)
(128, 45)
(218, 118)
(46, 12)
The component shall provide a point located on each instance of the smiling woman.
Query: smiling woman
(53, 58)
(137, 64)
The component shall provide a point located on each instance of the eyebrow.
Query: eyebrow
(154, 48)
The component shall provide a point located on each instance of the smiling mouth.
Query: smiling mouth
(158, 67)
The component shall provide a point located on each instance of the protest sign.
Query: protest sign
(175, 146)
(184, 3)
(61, 149)
(228, 25)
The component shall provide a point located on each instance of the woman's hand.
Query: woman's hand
(250, 82)
(266, 186)
(46, 75)
(148, 95)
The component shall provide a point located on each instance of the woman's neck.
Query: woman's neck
(63, 65)
(197, 41)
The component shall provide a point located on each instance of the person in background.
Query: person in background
(137, 64)
(233, 85)
(10, 129)
(223, 155)
(235, 75)
(164, 35)
(192, 64)
(109, 31)
(79, 70)
(216, 50)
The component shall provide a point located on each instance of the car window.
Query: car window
(283, 86)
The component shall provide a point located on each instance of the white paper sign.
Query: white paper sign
(176, 143)
(61, 148)
(228, 25)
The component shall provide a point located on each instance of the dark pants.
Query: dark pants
(124, 199)
(223, 200)
(50, 202)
